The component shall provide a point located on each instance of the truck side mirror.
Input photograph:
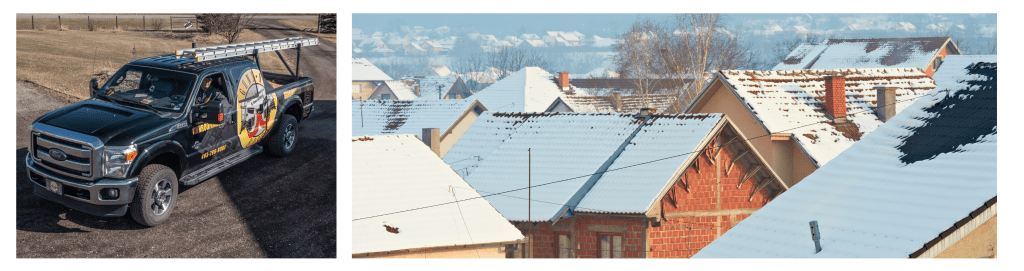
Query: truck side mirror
(94, 87)
(209, 112)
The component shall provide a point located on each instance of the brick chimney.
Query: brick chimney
(886, 105)
(835, 97)
(416, 89)
(432, 137)
(563, 80)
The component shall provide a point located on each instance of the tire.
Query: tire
(156, 195)
(283, 141)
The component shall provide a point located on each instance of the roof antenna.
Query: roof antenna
(816, 236)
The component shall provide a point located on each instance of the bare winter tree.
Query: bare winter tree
(512, 59)
(636, 56)
(229, 25)
(697, 46)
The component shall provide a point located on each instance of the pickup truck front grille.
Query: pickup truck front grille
(78, 156)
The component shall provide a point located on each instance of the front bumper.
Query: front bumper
(82, 195)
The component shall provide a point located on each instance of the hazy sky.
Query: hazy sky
(613, 24)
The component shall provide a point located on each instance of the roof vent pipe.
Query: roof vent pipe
(816, 236)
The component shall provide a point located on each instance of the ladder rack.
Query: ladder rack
(240, 49)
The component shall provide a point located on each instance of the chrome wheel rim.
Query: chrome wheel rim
(161, 196)
(289, 136)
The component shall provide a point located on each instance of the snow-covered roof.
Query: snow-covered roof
(599, 72)
(952, 72)
(439, 70)
(572, 147)
(384, 117)
(603, 42)
(363, 70)
(402, 91)
(482, 77)
(369, 42)
(423, 180)
(529, 90)
(865, 53)
(530, 36)
(903, 186)
(790, 102)
(428, 85)
(534, 43)
(629, 104)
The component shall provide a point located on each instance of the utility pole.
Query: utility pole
(529, 195)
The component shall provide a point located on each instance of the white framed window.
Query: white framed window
(610, 245)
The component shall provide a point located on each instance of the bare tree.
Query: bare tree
(697, 46)
(637, 57)
(225, 24)
(512, 59)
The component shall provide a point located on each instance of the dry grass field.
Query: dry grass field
(151, 23)
(65, 61)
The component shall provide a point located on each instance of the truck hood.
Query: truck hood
(101, 119)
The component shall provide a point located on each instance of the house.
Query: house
(392, 90)
(365, 78)
(532, 44)
(614, 185)
(923, 53)
(451, 118)
(437, 70)
(531, 89)
(433, 47)
(603, 42)
(380, 228)
(415, 49)
(370, 43)
(801, 119)
(450, 87)
(916, 187)
(477, 81)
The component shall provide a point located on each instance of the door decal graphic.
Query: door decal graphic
(256, 108)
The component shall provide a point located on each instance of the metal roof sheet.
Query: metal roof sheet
(382, 117)
(891, 193)
(423, 180)
(363, 70)
(864, 53)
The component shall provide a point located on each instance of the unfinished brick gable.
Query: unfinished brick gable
(707, 201)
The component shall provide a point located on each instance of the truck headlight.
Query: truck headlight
(117, 159)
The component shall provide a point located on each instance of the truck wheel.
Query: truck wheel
(155, 196)
(284, 140)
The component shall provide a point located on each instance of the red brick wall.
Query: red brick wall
(683, 237)
(545, 242)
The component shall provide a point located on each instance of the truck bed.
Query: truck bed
(286, 81)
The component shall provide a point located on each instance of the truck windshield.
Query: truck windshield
(159, 89)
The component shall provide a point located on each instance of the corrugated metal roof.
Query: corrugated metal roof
(382, 117)
(790, 102)
(529, 90)
(363, 70)
(635, 189)
(888, 195)
(864, 53)
(398, 172)
(569, 148)
(630, 104)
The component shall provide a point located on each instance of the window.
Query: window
(936, 63)
(385, 96)
(610, 245)
(564, 244)
(357, 88)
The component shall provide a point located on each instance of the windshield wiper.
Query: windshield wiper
(150, 107)
(106, 98)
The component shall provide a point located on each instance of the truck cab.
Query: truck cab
(163, 121)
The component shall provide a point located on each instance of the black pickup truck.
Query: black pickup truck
(163, 120)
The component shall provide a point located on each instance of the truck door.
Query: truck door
(211, 141)
(256, 106)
